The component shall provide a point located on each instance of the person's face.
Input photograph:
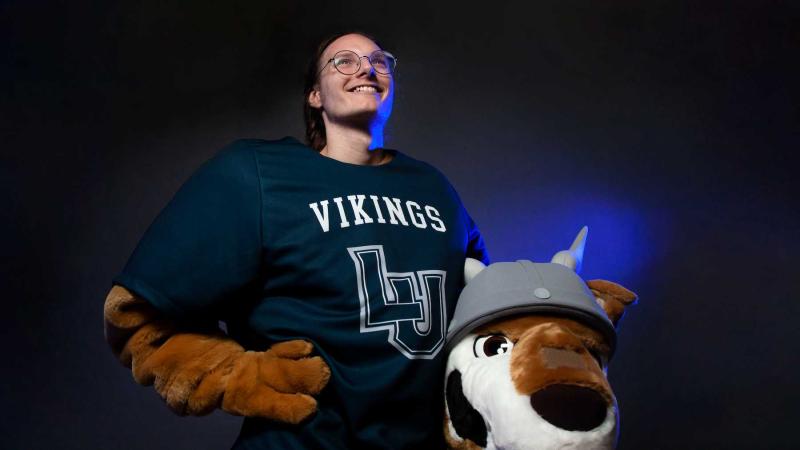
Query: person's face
(337, 95)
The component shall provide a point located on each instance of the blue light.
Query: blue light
(624, 238)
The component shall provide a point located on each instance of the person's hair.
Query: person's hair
(315, 126)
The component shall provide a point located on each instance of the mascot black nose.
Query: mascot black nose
(573, 408)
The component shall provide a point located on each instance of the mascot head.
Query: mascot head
(529, 343)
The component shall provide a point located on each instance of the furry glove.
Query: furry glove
(203, 369)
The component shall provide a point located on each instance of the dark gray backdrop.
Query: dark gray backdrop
(669, 128)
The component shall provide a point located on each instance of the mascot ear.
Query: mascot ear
(612, 297)
(472, 267)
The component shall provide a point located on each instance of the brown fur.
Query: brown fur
(200, 370)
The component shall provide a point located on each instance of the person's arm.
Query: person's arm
(199, 369)
(200, 257)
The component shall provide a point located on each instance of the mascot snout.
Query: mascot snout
(564, 378)
(529, 344)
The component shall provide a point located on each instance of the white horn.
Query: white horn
(573, 258)
(472, 267)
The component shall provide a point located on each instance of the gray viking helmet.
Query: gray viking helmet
(524, 287)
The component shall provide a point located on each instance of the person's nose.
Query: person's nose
(366, 67)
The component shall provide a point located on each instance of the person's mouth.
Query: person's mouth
(366, 89)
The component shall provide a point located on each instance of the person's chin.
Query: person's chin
(363, 117)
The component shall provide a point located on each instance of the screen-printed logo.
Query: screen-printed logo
(409, 305)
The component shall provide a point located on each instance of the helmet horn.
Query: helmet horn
(471, 268)
(573, 258)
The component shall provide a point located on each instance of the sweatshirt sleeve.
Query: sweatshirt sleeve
(476, 248)
(204, 248)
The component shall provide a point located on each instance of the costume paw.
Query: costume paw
(276, 384)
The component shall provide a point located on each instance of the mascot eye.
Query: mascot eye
(492, 345)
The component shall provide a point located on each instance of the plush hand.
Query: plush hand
(196, 372)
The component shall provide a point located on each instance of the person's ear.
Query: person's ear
(314, 99)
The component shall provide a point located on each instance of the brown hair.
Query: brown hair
(315, 127)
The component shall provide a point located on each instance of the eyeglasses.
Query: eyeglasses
(348, 62)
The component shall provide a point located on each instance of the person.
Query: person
(342, 246)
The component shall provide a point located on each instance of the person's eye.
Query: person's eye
(344, 61)
(491, 345)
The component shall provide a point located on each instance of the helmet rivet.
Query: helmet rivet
(541, 293)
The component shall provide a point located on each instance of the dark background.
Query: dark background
(669, 128)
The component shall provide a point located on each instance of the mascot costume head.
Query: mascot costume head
(529, 343)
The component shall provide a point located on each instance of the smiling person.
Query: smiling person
(335, 264)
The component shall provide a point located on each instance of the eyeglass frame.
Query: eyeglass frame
(369, 58)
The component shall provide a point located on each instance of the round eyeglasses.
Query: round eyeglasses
(348, 62)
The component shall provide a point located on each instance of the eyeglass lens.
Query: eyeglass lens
(348, 62)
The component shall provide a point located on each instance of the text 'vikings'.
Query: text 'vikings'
(395, 212)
